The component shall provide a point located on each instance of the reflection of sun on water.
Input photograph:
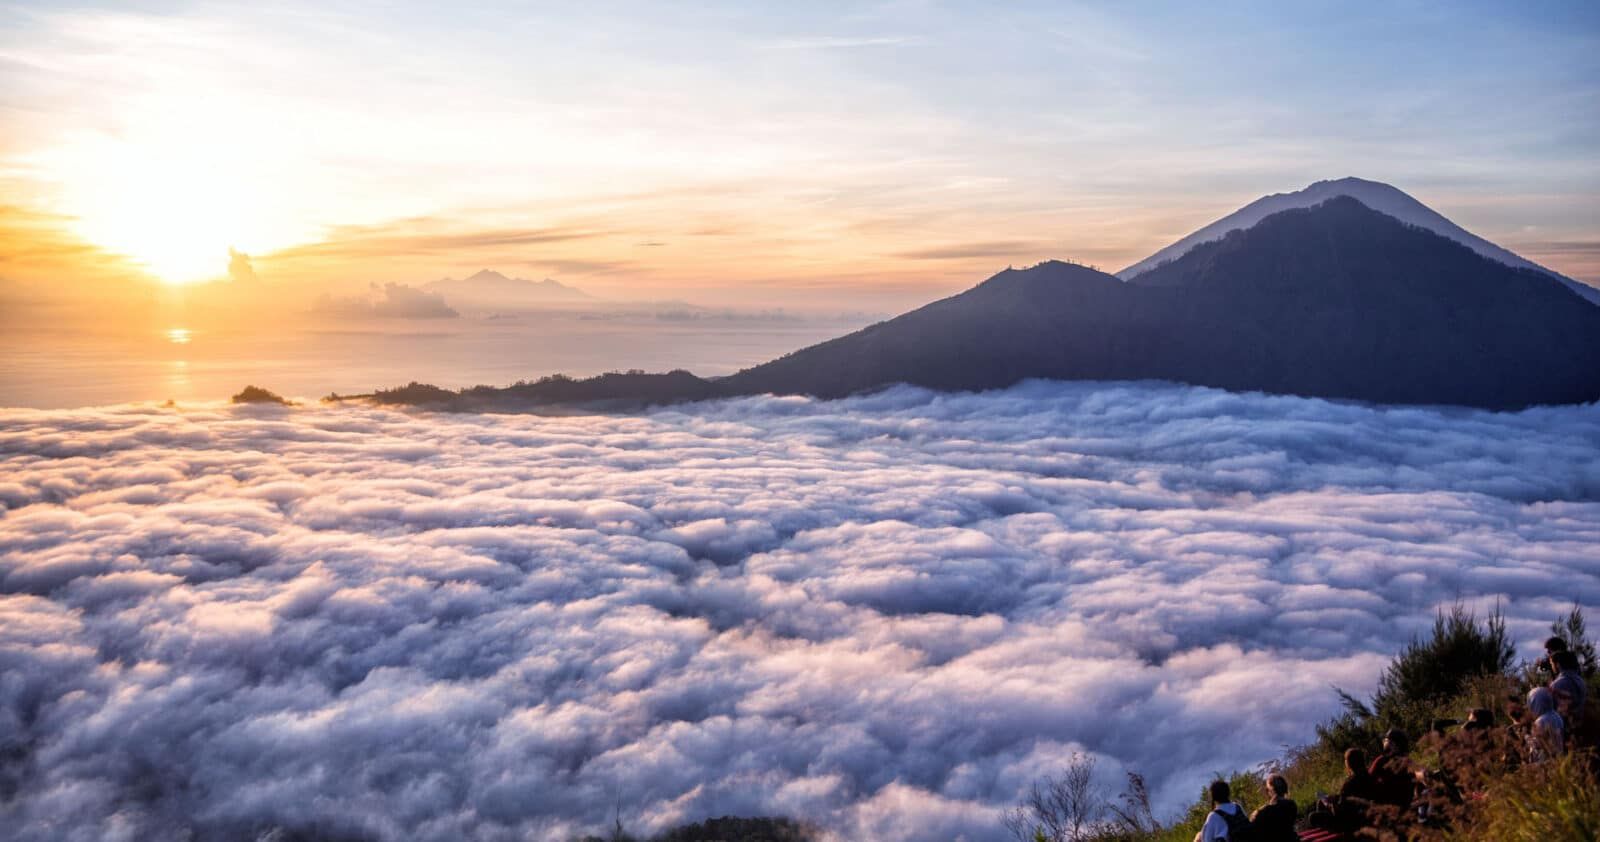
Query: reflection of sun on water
(178, 369)
(178, 376)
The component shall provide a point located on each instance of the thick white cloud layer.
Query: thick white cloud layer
(885, 614)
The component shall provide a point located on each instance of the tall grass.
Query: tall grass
(1558, 801)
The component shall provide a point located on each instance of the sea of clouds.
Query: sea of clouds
(886, 615)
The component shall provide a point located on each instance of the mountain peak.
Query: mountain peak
(1383, 198)
(1353, 181)
(1039, 276)
(489, 288)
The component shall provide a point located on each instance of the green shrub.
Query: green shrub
(1423, 678)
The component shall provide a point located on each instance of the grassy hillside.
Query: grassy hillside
(1477, 787)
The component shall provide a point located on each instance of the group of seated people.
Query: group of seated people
(1390, 786)
(1273, 822)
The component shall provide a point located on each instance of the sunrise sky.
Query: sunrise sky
(741, 153)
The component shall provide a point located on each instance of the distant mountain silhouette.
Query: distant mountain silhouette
(487, 288)
(1381, 197)
(1335, 300)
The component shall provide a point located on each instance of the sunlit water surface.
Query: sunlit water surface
(45, 366)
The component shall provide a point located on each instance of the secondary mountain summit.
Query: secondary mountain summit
(1334, 299)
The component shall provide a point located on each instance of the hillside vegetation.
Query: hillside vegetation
(1472, 787)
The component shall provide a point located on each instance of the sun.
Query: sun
(174, 208)
(174, 218)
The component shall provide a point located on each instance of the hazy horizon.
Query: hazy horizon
(58, 367)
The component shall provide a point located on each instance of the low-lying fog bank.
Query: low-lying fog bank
(886, 615)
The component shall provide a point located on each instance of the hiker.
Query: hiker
(1275, 821)
(1391, 773)
(1546, 734)
(1226, 819)
(1569, 687)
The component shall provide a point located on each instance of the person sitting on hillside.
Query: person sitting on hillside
(1348, 810)
(1226, 819)
(1479, 720)
(1275, 821)
(1569, 687)
(1391, 772)
(1546, 733)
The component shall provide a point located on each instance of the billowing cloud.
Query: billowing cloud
(886, 614)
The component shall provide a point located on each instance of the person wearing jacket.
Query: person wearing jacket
(1569, 687)
(1224, 814)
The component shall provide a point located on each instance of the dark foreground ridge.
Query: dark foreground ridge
(1332, 301)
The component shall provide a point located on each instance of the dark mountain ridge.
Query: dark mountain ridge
(1335, 300)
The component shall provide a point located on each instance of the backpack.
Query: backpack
(1238, 824)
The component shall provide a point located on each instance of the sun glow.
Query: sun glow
(173, 204)
(174, 215)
